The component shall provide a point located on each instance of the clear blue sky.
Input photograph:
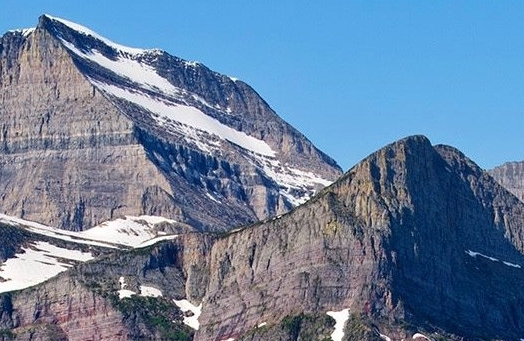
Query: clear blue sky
(351, 75)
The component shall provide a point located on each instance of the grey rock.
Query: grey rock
(511, 176)
(73, 156)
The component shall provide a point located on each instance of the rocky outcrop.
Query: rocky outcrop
(414, 235)
(62, 309)
(511, 176)
(73, 155)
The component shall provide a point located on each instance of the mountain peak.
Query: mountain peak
(60, 27)
(204, 149)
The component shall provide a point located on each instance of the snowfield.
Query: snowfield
(37, 263)
(128, 232)
(188, 116)
(185, 306)
(340, 320)
(41, 261)
(493, 259)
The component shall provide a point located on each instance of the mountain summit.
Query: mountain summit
(93, 130)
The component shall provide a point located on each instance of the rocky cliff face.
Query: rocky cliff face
(415, 239)
(511, 176)
(92, 130)
(414, 233)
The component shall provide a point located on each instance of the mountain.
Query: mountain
(414, 242)
(511, 176)
(94, 131)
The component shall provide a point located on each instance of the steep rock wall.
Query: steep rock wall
(68, 157)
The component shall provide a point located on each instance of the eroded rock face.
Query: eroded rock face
(511, 176)
(62, 309)
(73, 154)
(414, 233)
(68, 157)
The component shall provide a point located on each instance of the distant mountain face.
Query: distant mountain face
(93, 131)
(511, 176)
(415, 242)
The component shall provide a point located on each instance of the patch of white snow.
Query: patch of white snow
(493, 259)
(136, 232)
(185, 306)
(475, 254)
(24, 31)
(340, 320)
(37, 263)
(385, 337)
(88, 32)
(419, 335)
(53, 232)
(150, 291)
(188, 116)
(512, 264)
(262, 324)
(134, 70)
(123, 292)
(292, 180)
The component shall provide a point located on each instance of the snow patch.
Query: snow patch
(130, 231)
(262, 324)
(146, 291)
(212, 198)
(292, 180)
(156, 240)
(137, 72)
(123, 292)
(24, 31)
(475, 254)
(136, 232)
(88, 32)
(384, 337)
(493, 259)
(53, 232)
(511, 264)
(37, 263)
(186, 306)
(188, 116)
(340, 320)
(418, 335)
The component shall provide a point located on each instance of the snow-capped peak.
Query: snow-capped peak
(24, 31)
(144, 79)
(190, 121)
(88, 32)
